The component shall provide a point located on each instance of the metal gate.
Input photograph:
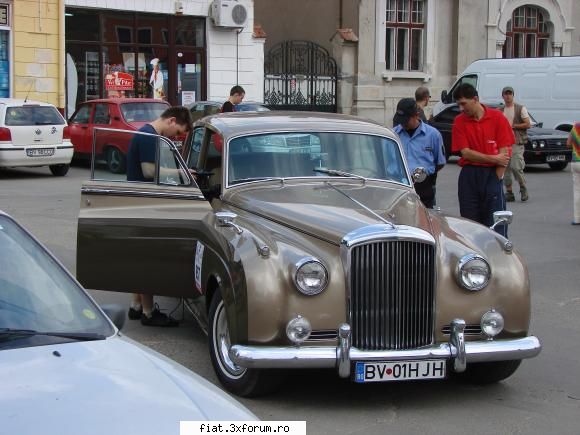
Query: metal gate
(300, 75)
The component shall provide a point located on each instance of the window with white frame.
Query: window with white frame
(405, 24)
(527, 34)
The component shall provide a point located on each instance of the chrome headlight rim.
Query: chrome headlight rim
(303, 262)
(461, 265)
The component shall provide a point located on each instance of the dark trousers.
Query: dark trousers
(426, 190)
(480, 194)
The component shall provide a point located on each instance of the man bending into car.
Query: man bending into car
(174, 121)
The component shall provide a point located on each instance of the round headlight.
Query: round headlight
(492, 323)
(542, 144)
(473, 272)
(534, 144)
(298, 330)
(310, 276)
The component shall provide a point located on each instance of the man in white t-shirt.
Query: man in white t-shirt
(519, 119)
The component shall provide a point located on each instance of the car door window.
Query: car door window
(170, 171)
(102, 115)
(469, 79)
(195, 148)
(82, 115)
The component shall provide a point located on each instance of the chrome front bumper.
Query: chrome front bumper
(341, 357)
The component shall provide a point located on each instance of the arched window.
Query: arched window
(405, 22)
(527, 34)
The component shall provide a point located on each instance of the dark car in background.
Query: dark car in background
(199, 109)
(545, 145)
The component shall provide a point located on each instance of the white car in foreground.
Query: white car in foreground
(66, 369)
(34, 134)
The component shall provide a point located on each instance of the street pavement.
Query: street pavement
(542, 397)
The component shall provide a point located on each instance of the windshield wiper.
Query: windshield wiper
(338, 173)
(79, 336)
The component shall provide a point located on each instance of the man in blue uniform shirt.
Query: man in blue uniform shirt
(423, 147)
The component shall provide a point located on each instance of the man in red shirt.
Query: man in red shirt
(484, 138)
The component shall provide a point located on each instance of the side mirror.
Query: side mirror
(419, 175)
(444, 96)
(227, 219)
(502, 217)
(116, 313)
(540, 125)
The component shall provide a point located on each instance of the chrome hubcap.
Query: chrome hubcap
(222, 343)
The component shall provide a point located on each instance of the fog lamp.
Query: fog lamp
(298, 330)
(492, 323)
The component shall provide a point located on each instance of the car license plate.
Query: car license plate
(556, 158)
(39, 152)
(399, 370)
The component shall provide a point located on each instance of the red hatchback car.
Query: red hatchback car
(118, 113)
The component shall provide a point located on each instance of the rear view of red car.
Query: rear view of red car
(116, 113)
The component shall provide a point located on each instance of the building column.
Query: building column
(499, 49)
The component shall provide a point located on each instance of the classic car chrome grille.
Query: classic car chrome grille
(392, 295)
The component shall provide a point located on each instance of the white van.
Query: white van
(548, 86)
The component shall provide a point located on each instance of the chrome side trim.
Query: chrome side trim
(140, 193)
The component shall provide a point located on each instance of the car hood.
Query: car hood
(331, 210)
(113, 386)
(546, 132)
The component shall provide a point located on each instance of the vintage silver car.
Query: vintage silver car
(302, 244)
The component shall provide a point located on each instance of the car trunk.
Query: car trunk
(34, 125)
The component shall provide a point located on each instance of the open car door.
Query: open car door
(140, 236)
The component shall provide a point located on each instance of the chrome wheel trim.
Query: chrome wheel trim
(222, 344)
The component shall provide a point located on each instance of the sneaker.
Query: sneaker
(524, 194)
(134, 314)
(158, 318)
(510, 197)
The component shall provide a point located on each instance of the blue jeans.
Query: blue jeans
(480, 194)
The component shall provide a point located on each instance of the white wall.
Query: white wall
(221, 44)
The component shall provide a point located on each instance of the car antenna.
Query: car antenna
(29, 89)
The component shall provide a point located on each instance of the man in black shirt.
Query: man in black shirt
(237, 94)
(141, 157)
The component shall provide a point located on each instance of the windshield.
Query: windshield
(37, 294)
(33, 115)
(142, 112)
(304, 154)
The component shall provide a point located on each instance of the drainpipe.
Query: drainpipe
(62, 59)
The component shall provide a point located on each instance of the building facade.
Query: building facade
(385, 49)
(68, 51)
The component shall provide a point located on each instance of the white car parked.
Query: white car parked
(34, 134)
(65, 369)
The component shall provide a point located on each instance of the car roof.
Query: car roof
(126, 100)
(235, 123)
(22, 102)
